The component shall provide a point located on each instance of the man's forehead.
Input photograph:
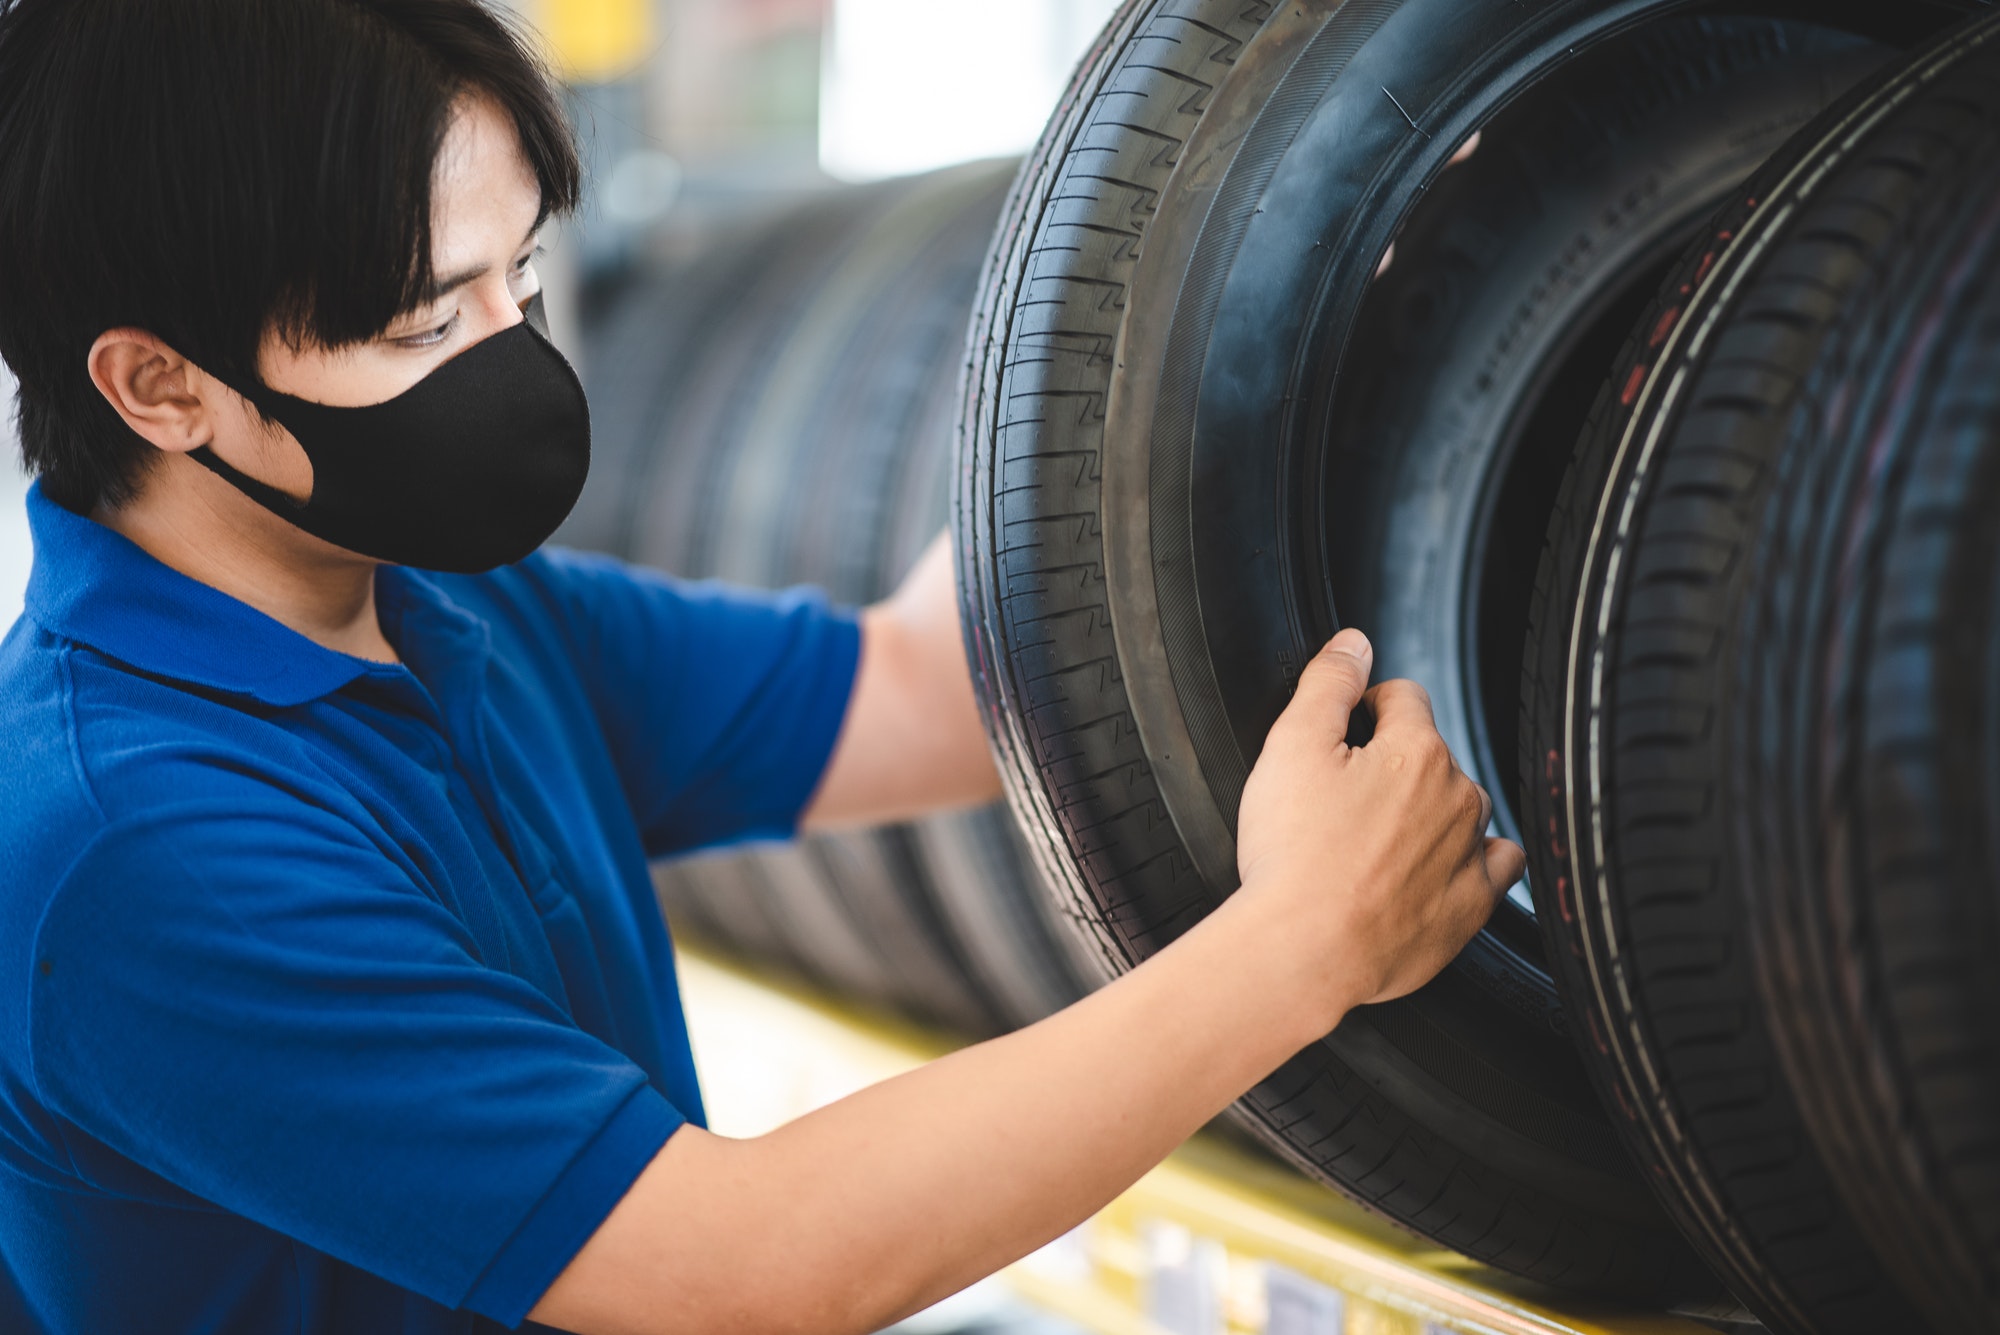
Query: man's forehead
(485, 197)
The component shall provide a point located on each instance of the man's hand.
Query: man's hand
(912, 741)
(1377, 855)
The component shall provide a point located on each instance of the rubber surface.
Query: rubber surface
(775, 409)
(1475, 359)
(1867, 706)
(1159, 343)
(1635, 640)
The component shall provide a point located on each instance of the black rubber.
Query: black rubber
(1867, 708)
(1475, 359)
(1159, 348)
(773, 409)
(1636, 637)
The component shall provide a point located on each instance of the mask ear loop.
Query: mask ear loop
(262, 492)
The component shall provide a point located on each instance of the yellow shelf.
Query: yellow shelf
(1216, 1241)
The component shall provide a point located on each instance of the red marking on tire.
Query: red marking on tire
(1664, 327)
(1556, 848)
(1624, 1104)
(1597, 1034)
(1562, 900)
(1707, 263)
(1632, 386)
(1549, 763)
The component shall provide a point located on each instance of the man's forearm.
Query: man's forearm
(907, 1191)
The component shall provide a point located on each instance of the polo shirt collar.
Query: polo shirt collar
(97, 587)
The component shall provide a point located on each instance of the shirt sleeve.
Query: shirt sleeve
(246, 998)
(721, 705)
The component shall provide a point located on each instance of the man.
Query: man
(331, 995)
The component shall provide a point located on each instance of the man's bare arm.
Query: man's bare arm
(1365, 870)
(912, 741)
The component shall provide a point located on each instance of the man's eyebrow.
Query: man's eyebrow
(440, 288)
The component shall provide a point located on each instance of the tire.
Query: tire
(1476, 357)
(774, 410)
(1634, 642)
(1157, 353)
(1868, 708)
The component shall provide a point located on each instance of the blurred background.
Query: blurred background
(697, 114)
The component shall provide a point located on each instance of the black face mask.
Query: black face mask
(470, 468)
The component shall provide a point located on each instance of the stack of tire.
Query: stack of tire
(776, 408)
(1629, 370)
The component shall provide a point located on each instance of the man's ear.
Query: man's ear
(159, 393)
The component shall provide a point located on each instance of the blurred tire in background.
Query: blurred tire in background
(777, 408)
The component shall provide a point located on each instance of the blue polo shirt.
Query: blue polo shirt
(333, 996)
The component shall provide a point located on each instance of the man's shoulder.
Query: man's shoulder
(536, 601)
(585, 606)
(90, 741)
(532, 577)
(560, 583)
(142, 801)
(46, 802)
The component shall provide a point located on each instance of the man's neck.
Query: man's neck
(192, 521)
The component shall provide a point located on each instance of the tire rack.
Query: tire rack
(1216, 1241)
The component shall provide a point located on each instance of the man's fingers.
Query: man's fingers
(1506, 863)
(1333, 683)
(1400, 705)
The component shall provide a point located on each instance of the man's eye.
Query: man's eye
(521, 265)
(430, 338)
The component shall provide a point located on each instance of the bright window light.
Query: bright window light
(15, 552)
(910, 85)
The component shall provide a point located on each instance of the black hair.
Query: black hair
(210, 170)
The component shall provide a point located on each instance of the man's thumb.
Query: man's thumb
(1334, 682)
